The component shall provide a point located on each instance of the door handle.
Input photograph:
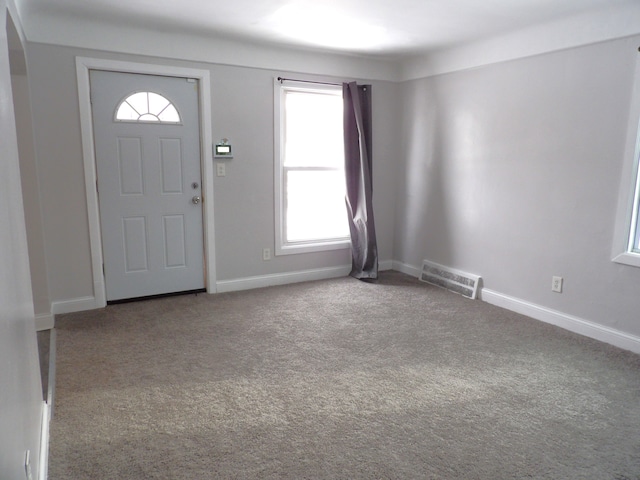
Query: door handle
(196, 200)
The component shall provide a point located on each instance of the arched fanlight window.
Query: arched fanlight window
(147, 107)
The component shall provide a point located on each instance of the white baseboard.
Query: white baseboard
(385, 265)
(568, 322)
(538, 312)
(43, 462)
(406, 268)
(100, 293)
(574, 324)
(260, 281)
(90, 303)
(44, 321)
(74, 305)
(281, 279)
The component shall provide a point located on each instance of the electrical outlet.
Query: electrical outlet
(266, 254)
(556, 284)
(221, 169)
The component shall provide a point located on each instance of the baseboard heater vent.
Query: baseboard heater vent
(466, 284)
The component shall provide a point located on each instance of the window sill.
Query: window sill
(312, 247)
(628, 258)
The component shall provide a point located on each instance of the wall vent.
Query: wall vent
(466, 284)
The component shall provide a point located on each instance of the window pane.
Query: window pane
(147, 107)
(315, 206)
(635, 247)
(157, 103)
(169, 114)
(313, 130)
(634, 240)
(126, 112)
(147, 117)
(140, 102)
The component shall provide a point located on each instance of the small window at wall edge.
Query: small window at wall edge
(626, 247)
(282, 245)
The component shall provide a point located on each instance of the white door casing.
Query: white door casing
(149, 184)
(83, 65)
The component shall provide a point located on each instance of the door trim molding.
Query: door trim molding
(83, 66)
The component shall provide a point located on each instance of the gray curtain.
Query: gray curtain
(357, 154)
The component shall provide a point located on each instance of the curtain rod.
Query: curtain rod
(282, 79)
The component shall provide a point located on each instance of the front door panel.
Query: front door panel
(149, 177)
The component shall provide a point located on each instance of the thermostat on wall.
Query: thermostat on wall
(222, 149)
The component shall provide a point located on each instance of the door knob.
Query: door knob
(196, 199)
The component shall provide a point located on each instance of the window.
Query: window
(311, 214)
(630, 228)
(627, 233)
(147, 107)
(634, 237)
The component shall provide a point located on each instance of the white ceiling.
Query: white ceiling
(385, 28)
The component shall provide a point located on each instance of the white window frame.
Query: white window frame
(281, 246)
(629, 196)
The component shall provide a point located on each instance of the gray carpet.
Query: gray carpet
(338, 379)
(44, 345)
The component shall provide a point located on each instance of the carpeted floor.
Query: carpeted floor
(338, 379)
(44, 345)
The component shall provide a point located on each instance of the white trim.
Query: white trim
(260, 281)
(17, 20)
(627, 258)
(595, 25)
(292, 248)
(588, 28)
(208, 47)
(563, 320)
(278, 141)
(83, 65)
(44, 321)
(43, 462)
(99, 287)
(74, 305)
(385, 265)
(406, 268)
(547, 315)
(246, 283)
(629, 193)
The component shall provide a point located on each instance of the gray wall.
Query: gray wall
(512, 172)
(31, 193)
(20, 390)
(242, 110)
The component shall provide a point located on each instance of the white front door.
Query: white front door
(147, 142)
